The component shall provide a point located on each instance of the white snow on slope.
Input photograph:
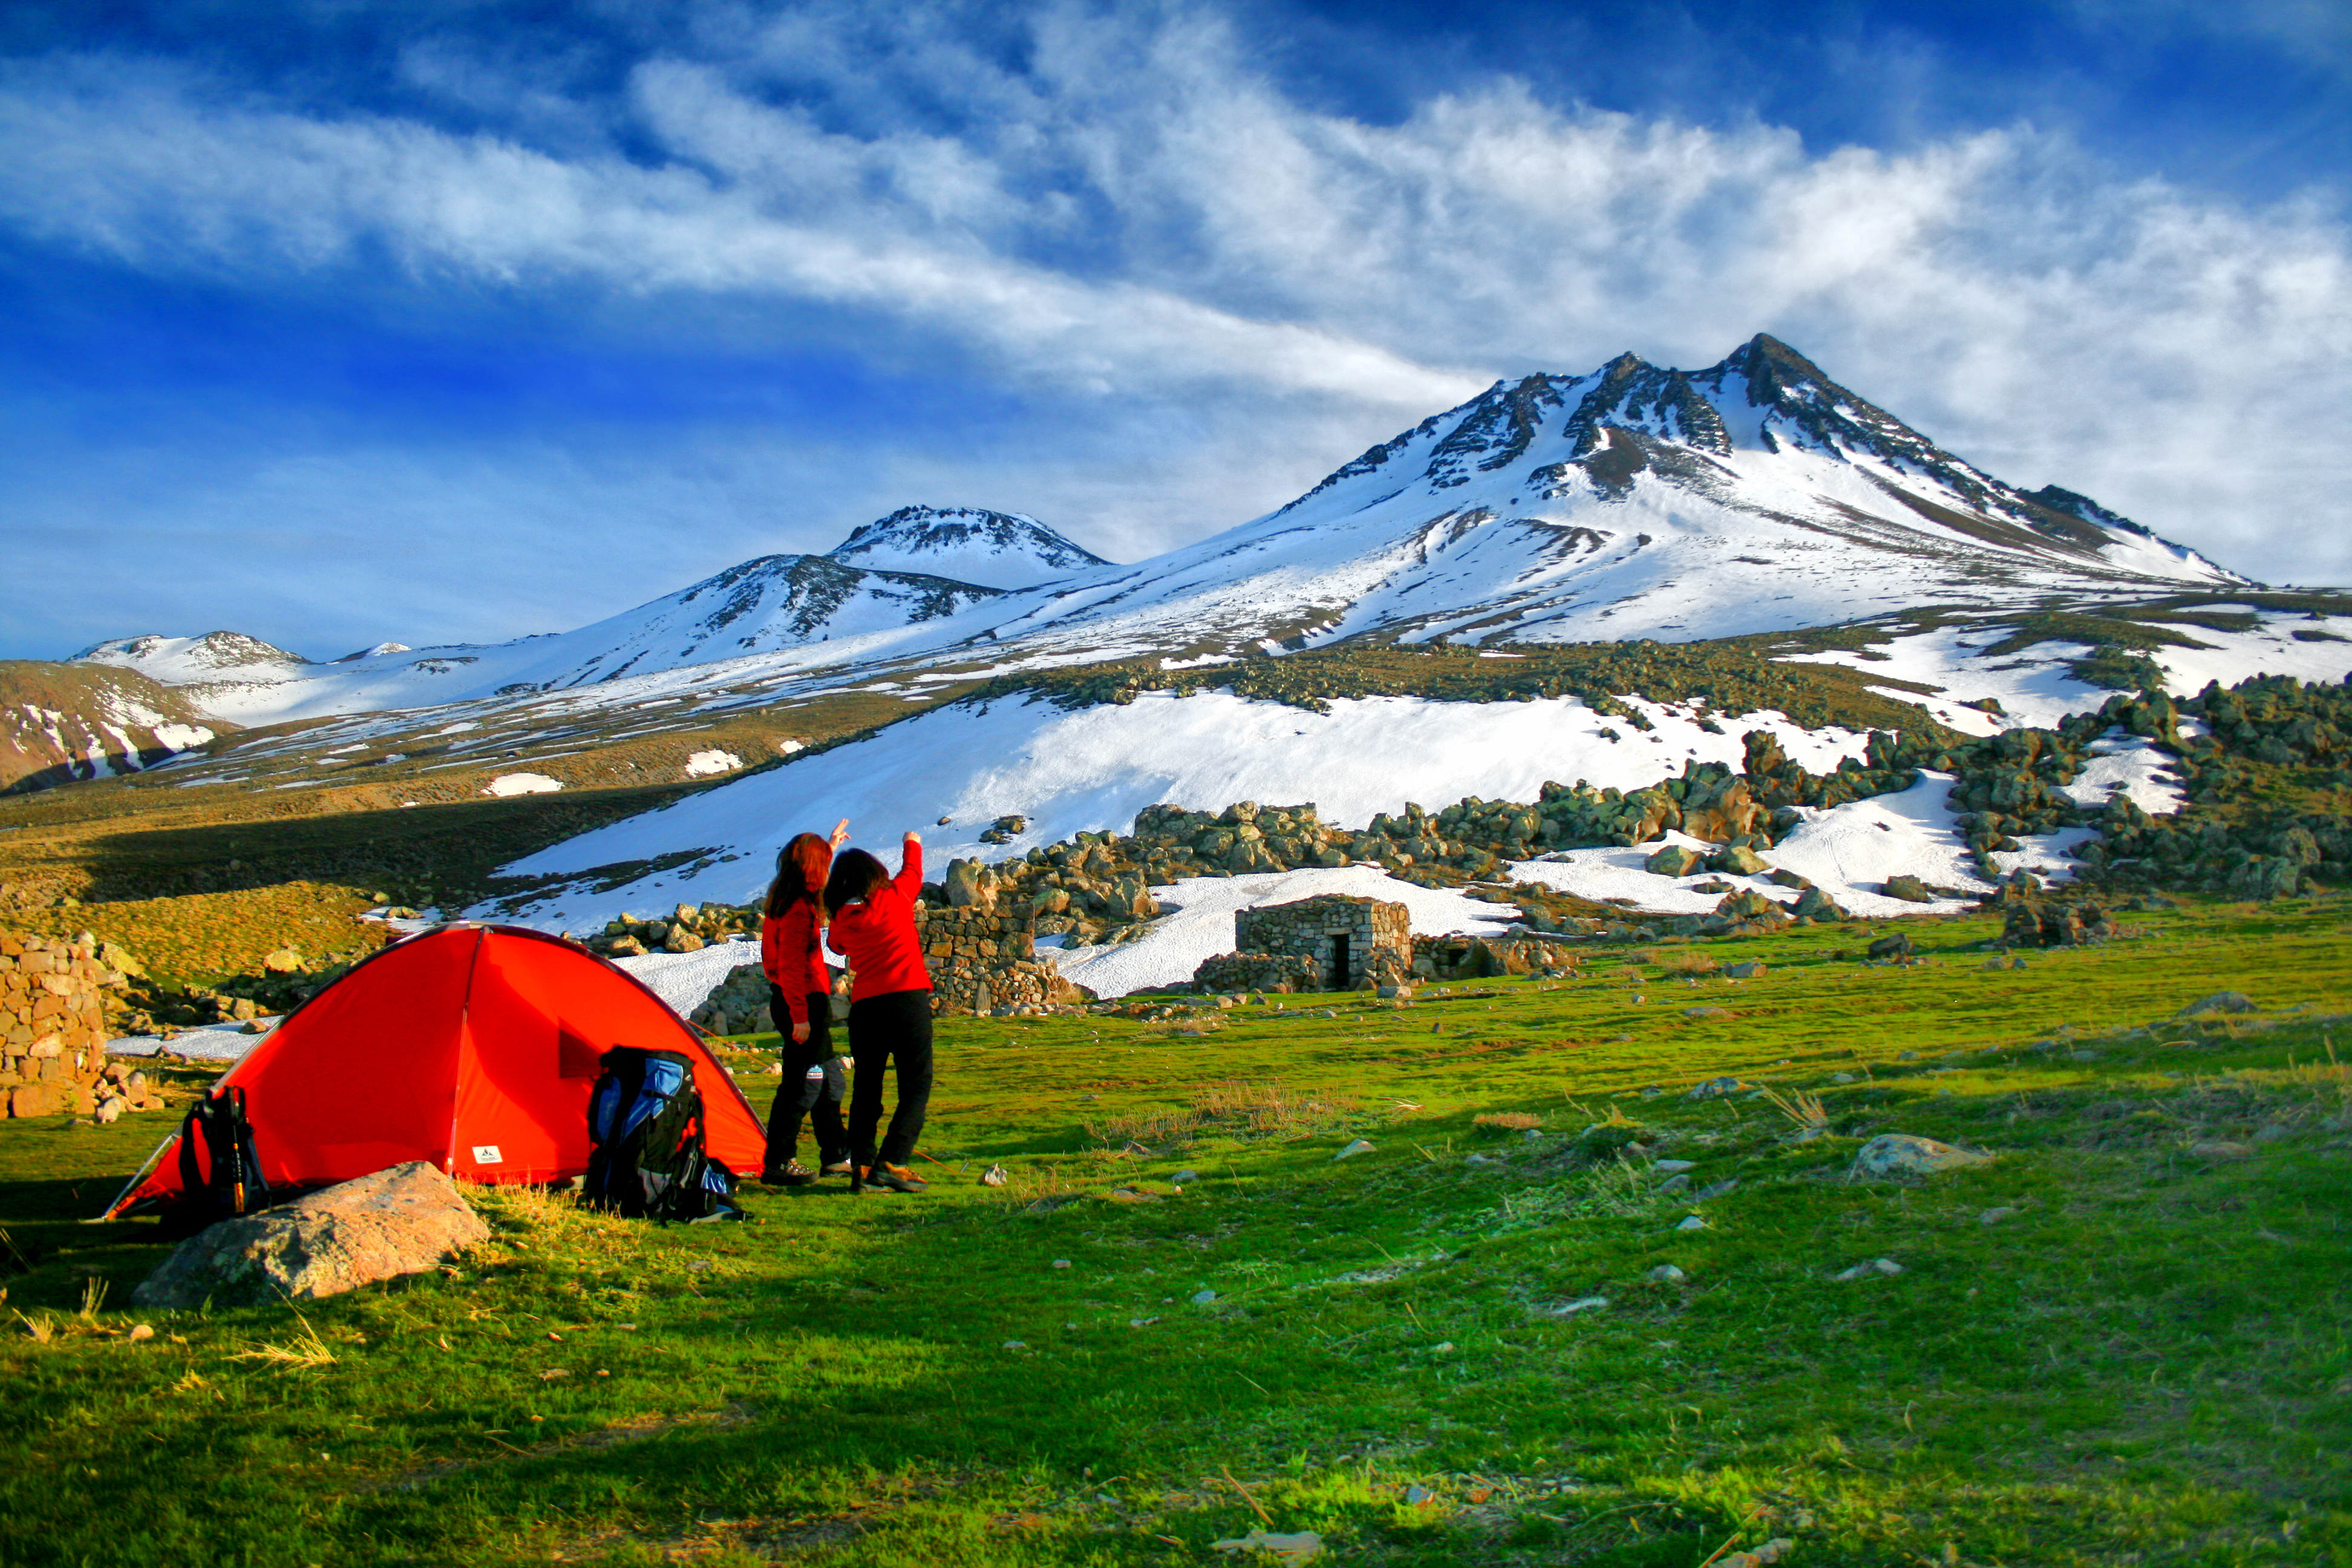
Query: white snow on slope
(683, 979)
(2033, 686)
(1093, 769)
(2127, 763)
(521, 784)
(2273, 649)
(1202, 926)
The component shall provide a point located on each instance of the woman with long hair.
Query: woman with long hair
(800, 1002)
(873, 916)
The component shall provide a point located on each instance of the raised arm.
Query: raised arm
(911, 866)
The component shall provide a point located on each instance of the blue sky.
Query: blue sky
(335, 323)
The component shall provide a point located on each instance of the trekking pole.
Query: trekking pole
(942, 1165)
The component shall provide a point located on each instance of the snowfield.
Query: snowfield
(1093, 769)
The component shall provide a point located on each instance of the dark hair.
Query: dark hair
(800, 868)
(855, 875)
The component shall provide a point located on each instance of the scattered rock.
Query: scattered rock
(1717, 1189)
(1715, 1089)
(1181, 1177)
(1896, 946)
(1764, 1556)
(1673, 860)
(1016, 1344)
(402, 1220)
(141, 1332)
(1902, 1154)
(1873, 1269)
(1667, 1274)
(1131, 1196)
(1739, 861)
(1910, 890)
(2220, 1148)
(1360, 1146)
(995, 1176)
(2082, 1056)
(1691, 1222)
(1672, 1167)
(1061, 1263)
(1581, 1304)
(1704, 1013)
(1995, 1215)
(1744, 971)
(31, 1099)
(1289, 1548)
(282, 960)
(1416, 1494)
(2219, 1002)
(1202, 1298)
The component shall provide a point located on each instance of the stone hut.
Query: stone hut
(1347, 939)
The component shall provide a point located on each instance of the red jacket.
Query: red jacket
(878, 935)
(792, 951)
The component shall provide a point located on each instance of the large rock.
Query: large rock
(1909, 889)
(1901, 1154)
(2219, 1002)
(1738, 861)
(1673, 860)
(30, 1100)
(403, 1220)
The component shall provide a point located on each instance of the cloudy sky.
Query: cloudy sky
(334, 322)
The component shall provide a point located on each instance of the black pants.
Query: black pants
(798, 1096)
(895, 1030)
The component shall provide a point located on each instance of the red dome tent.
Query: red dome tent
(472, 1047)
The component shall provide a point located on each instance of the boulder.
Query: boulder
(1902, 1154)
(1673, 860)
(2219, 1002)
(30, 1099)
(402, 1220)
(284, 961)
(1815, 904)
(1750, 971)
(1909, 889)
(1739, 861)
(1896, 946)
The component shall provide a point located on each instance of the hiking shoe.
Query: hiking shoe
(837, 1168)
(895, 1178)
(792, 1174)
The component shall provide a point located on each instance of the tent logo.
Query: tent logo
(487, 1154)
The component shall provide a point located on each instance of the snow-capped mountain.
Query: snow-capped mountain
(1754, 495)
(969, 544)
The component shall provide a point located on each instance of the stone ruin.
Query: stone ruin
(983, 962)
(1456, 956)
(1334, 941)
(53, 1029)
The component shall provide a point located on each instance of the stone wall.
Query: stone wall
(53, 1030)
(1461, 957)
(982, 960)
(1379, 936)
(1237, 972)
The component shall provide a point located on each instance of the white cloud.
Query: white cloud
(1137, 215)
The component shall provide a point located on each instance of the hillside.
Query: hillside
(62, 723)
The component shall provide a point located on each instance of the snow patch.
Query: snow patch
(702, 765)
(521, 784)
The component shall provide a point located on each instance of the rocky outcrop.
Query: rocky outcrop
(402, 1220)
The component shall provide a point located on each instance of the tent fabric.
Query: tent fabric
(472, 1047)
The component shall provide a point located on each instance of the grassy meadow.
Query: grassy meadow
(2123, 1340)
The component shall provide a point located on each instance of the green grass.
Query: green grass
(2144, 1361)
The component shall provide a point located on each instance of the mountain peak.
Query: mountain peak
(964, 544)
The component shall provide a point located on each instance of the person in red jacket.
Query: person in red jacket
(872, 917)
(792, 953)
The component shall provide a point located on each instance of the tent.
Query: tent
(474, 1046)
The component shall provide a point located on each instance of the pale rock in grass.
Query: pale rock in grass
(1691, 1222)
(1667, 1274)
(2219, 1002)
(1995, 1215)
(1360, 1146)
(1893, 1154)
(1714, 1088)
(404, 1219)
(1876, 1267)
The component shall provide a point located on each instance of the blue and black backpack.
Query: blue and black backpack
(645, 1158)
